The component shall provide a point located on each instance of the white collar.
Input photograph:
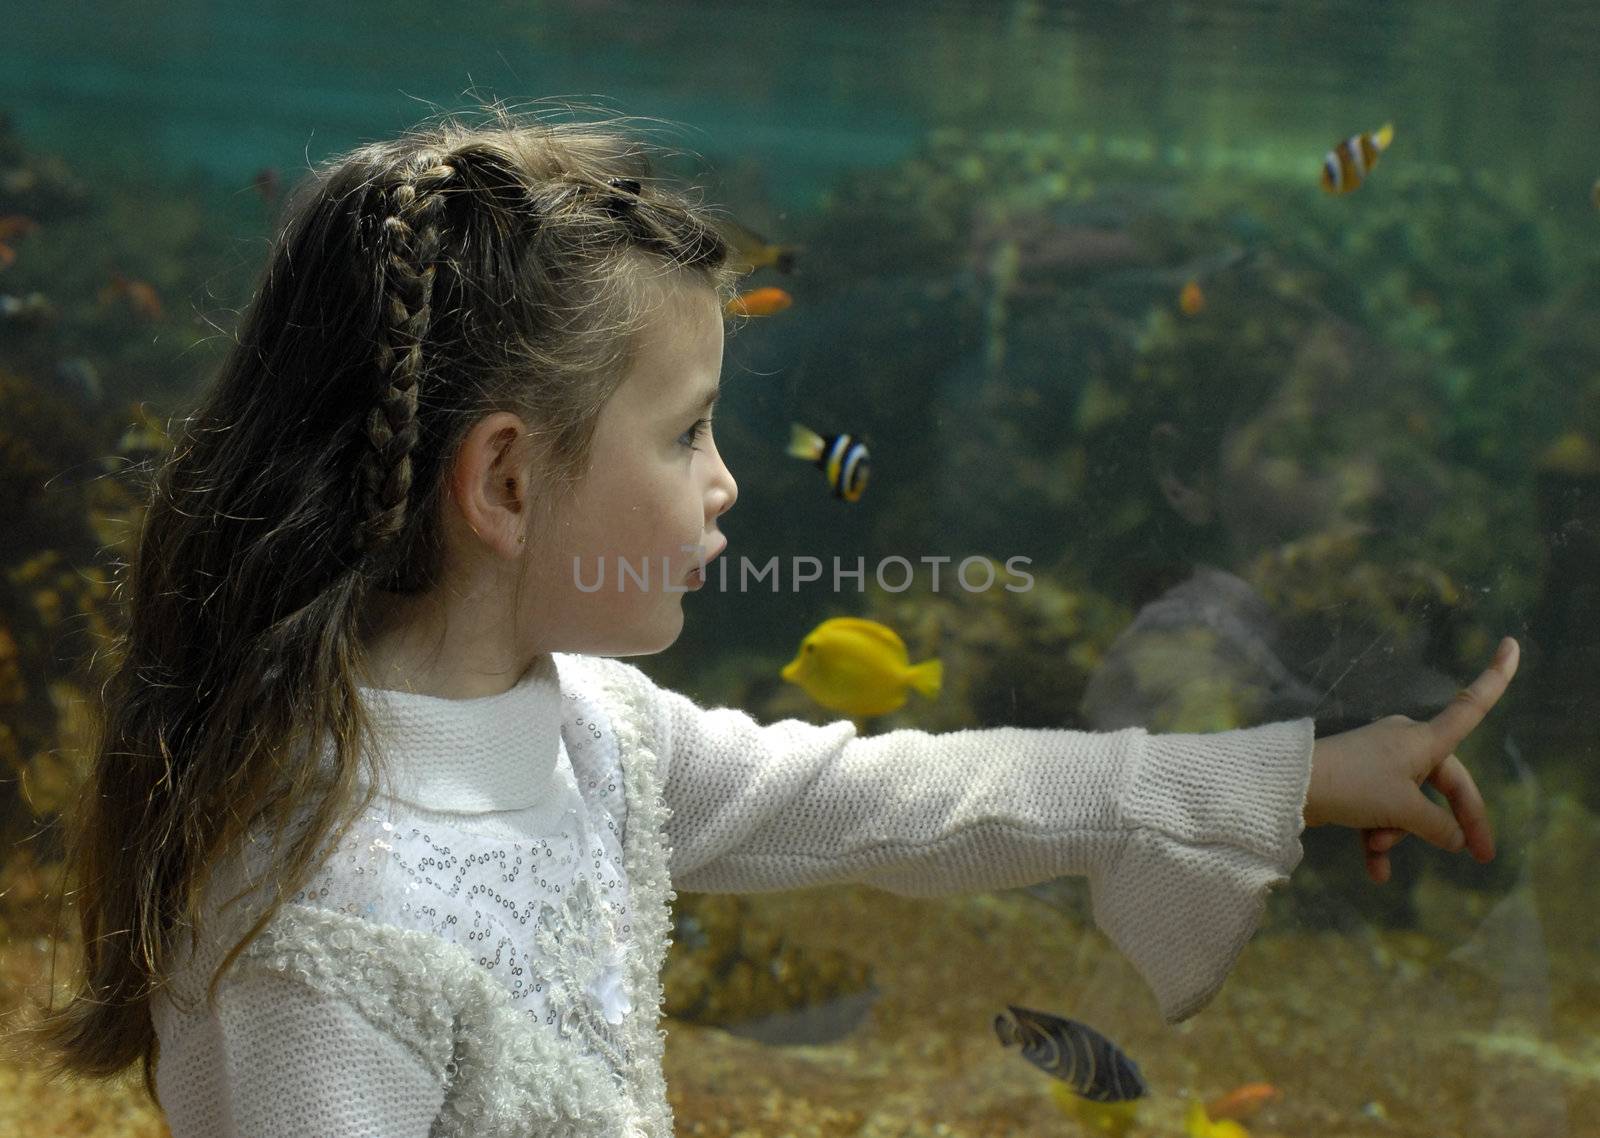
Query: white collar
(493, 752)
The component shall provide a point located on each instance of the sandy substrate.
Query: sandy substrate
(1371, 1034)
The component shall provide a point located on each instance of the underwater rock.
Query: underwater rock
(37, 185)
(43, 433)
(30, 311)
(1017, 658)
(113, 514)
(81, 378)
(726, 970)
(23, 473)
(1203, 657)
(11, 687)
(1561, 860)
(53, 775)
(1212, 655)
(1375, 636)
(71, 604)
(25, 895)
(1566, 618)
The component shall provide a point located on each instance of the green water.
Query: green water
(1370, 450)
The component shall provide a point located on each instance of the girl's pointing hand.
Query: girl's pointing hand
(1371, 778)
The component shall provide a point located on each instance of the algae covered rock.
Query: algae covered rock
(728, 969)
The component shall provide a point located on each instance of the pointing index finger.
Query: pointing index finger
(1473, 702)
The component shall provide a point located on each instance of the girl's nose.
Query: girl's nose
(724, 490)
(724, 494)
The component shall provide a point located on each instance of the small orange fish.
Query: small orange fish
(1192, 301)
(758, 302)
(1242, 1101)
(1347, 165)
(141, 296)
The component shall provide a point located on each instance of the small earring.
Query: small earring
(521, 537)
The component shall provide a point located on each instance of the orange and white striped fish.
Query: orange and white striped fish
(1347, 165)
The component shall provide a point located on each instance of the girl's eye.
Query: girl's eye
(689, 437)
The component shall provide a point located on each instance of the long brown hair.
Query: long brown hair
(477, 263)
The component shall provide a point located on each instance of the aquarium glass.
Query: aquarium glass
(1216, 365)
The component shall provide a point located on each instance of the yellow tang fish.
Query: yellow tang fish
(1113, 1119)
(860, 667)
(1347, 165)
(1199, 1125)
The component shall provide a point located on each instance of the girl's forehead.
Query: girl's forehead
(678, 352)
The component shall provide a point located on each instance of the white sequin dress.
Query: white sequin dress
(480, 955)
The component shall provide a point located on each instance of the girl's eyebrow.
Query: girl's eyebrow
(708, 398)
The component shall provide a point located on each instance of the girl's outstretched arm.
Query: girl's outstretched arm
(1180, 836)
(1371, 778)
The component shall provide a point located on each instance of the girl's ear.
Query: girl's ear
(1192, 499)
(493, 481)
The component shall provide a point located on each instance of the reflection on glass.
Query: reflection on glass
(1163, 435)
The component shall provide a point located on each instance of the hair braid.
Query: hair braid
(246, 641)
(409, 245)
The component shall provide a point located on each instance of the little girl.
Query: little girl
(381, 838)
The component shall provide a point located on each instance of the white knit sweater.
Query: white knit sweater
(481, 955)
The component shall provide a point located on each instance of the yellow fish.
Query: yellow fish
(860, 667)
(1200, 1125)
(749, 251)
(1113, 1119)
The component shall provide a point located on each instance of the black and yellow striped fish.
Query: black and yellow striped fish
(843, 458)
(1347, 165)
(1073, 1052)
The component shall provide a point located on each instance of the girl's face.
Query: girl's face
(608, 573)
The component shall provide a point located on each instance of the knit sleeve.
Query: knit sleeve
(276, 1059)
(1180, 836)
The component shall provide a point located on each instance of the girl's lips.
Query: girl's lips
(696, 577)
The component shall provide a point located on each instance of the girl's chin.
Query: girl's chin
(662, 632)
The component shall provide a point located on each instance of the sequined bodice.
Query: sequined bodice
(535, 895)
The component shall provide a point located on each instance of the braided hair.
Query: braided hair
(416, 285)
(576, 240)
(408, 253)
